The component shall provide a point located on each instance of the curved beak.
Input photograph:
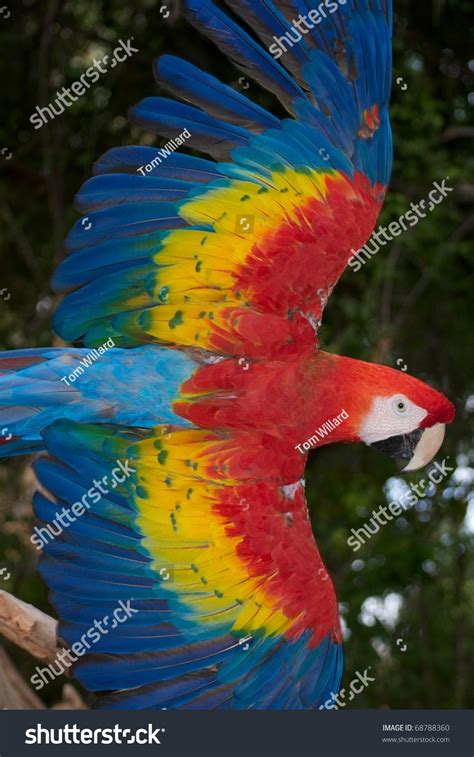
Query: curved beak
(428, 446)
(419, 447)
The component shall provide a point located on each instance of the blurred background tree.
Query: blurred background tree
(407, 596)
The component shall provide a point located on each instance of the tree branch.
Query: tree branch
(466, 227)
(458, 132)
(28, 627)
(14, 692)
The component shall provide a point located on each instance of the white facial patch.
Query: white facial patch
(391, 416)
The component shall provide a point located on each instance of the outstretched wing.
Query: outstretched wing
(229, 603)
(240, 256)
(220, 259)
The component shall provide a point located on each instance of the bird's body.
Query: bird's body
(201, 286)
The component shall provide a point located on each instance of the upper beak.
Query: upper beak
(419, 447)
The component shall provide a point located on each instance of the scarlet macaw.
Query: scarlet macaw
(201, 284)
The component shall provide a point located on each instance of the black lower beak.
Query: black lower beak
(399, 446)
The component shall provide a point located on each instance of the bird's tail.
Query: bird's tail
(133, 387)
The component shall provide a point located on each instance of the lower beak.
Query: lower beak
(419, 447)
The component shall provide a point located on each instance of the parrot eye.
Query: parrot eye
(400, 405)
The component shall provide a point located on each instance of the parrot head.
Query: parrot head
(408, 423)
(386, 409)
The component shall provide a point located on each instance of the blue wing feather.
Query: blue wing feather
(205, 91)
